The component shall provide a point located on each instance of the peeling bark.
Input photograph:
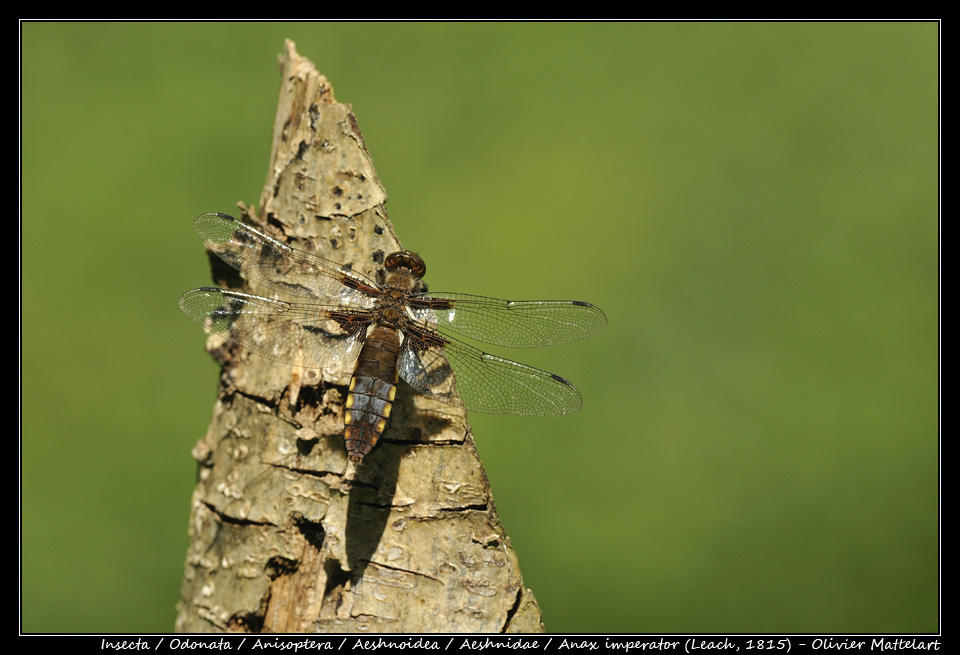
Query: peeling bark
(286, 534)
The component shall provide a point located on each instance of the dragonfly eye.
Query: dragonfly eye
(407, 260)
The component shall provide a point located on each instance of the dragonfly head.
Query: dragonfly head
(405, 259)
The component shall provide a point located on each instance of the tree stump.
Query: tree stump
(286, 535)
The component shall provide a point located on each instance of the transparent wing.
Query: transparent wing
(512, 323)
(485, 383)
(265, 260)
(305, 335)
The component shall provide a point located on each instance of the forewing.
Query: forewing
(305, 335)
(265, 260)
(512, 323)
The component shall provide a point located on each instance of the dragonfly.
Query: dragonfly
(385, 329)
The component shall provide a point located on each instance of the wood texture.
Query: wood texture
(285, 534)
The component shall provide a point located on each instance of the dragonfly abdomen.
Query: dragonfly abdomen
(372, 390)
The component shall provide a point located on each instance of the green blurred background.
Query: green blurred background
(754, 205)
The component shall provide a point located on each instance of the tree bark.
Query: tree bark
(286, 535)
